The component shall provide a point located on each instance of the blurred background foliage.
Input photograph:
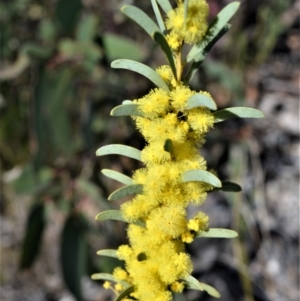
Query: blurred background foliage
(57, 90)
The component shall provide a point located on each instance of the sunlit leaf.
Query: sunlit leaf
(109, 253)
(140, 18)
(218, 233)
(165, 5)
(119, 149)
(193, 283)
(237, 112)
(131, 109)
(33, 235)
(201, 100)
(126, 102)
(161, 40)
(158, 16)
(116, 215)
(125, 293)
(126, 191)
(141, 69)
(115, 175)
(201, 176)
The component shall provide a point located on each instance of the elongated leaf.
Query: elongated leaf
(161, 40)
(214, 30)
(165, 5)
(109, 277)
(87, 28)
(115, 175)
(116, 215)
(119, 149)
(210, 290)
(218, 233)
(73, 254)
(125, 293)
(126, 191)
(141, 69)
(186, 7)
(201, 100)
(126, 102)
(140, 18)
(201, 176)
(131, 109)
(158, 16)
(193, 283)
(33, 235)
(109, 253)
(237, 112)
(229, 187)
(168, 146)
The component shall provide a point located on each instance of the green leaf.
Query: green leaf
(165, 5)
(229, 187)
(73, 254)
(119, 149)
(109, 277)
(117, 176)
(201, 100)
(87, 28)
(141, 69)
(117, 47)
(218, 233)
(140, 18)
(126, 191)
(126, 102)
(201, 176)
(161, 40)
(158, 16)
(67, 13)
(193, 283)
(131, 109)
(109, 253)
(33, 236)
(237, 112)
(199, 51)
(168, 146)
(37, 51)
(125, 293)
(186, 7)
(118, 216)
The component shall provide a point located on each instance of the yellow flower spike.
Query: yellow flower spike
(120, 274)
(165, 72)
(124, 252)
(174, 40)
(200, 120)
(177, 287)
(187, 237)
(118, 287)
(107, 285)
(179, 97)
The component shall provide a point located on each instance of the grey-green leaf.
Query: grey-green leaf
(116, 215)
(115, 175)
(125, 293)
(201, 100)
(158, 16)
(213, 31)
(186, 6)
(109, 277)
(161, 40)
(126, 191)
(165, 5)
(131, 109)
(218, 233)
(237, 112)
(109, 253)
(201, 176)
(193, 283)
(140, 18)
(141, 69)
(119, 149)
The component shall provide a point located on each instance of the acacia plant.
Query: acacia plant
(173, 120)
